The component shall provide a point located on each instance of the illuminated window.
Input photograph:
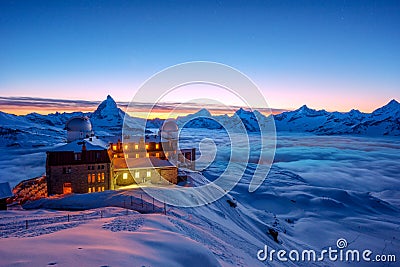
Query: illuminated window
(90, 190)
(136, 147)
(93, 189)
(98, 177)
(98, 189)
(114, 147)
(125, 176)
(166, 154)
(126, 146)
(147, 146)
(137, 156)
(93, 177)
(67, 188)
(157, 155)
(102, 177)
(102, 188)
(89, 178)
(115, 155)
(126, 156)
(137, 174)
(157, 146)
(147, 155)
(148, 173)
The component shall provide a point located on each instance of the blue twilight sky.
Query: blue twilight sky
(335, 55)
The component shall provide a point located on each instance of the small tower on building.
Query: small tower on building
(169, 131)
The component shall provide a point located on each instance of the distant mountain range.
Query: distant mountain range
(34, 130)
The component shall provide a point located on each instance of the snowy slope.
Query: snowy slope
(20, 131)
(89, 240)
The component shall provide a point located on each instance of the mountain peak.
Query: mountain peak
(203, 112)
(106, 108)
(393, 102)
(392, 106)
(303, 108)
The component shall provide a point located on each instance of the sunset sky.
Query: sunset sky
(69, 55)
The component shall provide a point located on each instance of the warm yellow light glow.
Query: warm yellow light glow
(137, 156)
(147, 146)
(114, 147)
(148, 173)
(157, 155)
(126, 156)
(126, 146)
(147, 155)
(157, 146)
(125, 176)
(136, 146)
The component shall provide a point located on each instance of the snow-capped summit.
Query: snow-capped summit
(390, 109)
(200, 119)
(108, 117)
(303, 109)
(383, 121)
(203, 112)
(107, 108)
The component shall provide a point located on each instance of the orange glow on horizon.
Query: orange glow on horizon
(43, 111)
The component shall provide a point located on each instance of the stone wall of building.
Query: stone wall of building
(84, 178)
(170, 174)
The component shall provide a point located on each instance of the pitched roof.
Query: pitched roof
(139, 163)
(5, 190)
(76, 146)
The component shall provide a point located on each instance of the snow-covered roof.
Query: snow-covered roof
(149, 138)
(152, 162)
(76, 146)
(5, 190)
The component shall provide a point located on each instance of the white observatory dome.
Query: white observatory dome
(169, 129)
(78, 128)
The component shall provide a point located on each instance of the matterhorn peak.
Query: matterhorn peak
(107, 108)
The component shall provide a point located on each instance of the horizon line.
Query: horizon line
(21, 105)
